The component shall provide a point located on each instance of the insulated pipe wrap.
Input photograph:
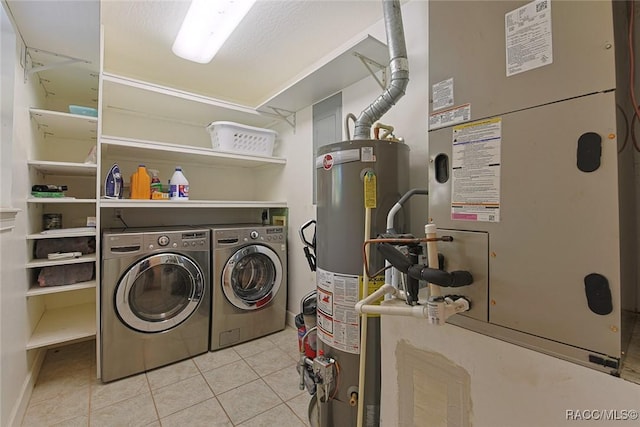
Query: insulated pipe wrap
(399, 66)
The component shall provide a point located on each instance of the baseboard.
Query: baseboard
(19, 409)
(291, 319)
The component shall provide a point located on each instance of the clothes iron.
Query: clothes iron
(113, 184)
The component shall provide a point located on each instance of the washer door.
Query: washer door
(251, 277)
(159, 292)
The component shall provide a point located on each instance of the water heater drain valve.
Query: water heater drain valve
(440, 308)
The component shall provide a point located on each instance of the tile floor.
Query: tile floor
(251, 384)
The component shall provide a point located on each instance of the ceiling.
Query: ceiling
(276, 43)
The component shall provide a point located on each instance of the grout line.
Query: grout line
(155, 407)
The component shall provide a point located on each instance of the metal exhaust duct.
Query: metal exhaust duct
(399, 66)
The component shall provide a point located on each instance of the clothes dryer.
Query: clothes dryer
(249, 283)
(155, 298)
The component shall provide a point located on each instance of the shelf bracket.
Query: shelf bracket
(371, 64)
(32, 67)
(286, 115)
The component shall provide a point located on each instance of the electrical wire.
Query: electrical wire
(119, 216)
(335, 390)
(626, 128)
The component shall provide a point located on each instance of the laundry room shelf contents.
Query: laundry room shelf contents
(164, 127)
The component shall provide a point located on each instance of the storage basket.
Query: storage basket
(237, 138)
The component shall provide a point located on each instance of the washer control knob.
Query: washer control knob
(163, 240)
(254, 234)
(151, 247)
(175, 245)
(185, 244)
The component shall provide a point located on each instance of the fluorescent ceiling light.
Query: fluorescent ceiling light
(207, 26)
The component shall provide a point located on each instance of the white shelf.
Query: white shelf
(331, 74)
(126, 148)
(36, 290)
(129, 95)
(129, 203)
(58, 200)
(62, 325)
(60, 234)
(35, 263)
(65, 125)
(63, 168)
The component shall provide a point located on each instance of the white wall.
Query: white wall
(510, 385)
(16, 364)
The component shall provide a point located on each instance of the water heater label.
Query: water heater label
(338, 321)
(528, 37)
(329, 160)
(475, 186)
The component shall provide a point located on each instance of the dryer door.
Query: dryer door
(252, 277)
(159, 292)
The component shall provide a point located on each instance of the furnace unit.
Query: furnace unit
(529, 173)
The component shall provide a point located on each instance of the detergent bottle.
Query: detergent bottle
(156, 185)
(179, 187)
(141, 184)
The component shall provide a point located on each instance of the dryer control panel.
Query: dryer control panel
(267, 234)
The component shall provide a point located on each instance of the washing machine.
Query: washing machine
(155, 298)
(249, 296)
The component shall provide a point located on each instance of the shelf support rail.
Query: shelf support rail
(371, 64)
(32, 67)
(289, 117)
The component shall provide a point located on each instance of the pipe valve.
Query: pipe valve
(353, 399)
(439, 308)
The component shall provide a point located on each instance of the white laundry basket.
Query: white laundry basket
(237, 138)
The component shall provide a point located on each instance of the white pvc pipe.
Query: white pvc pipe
(384, 289)
(392, 213)
(396, 310)
(363, 326)
(432, 256)
(364, 306)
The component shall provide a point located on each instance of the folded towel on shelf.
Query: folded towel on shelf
(57, 275)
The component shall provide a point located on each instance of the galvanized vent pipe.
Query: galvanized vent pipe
(399, 66)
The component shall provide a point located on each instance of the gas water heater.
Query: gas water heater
(341, 171)
(350, 173)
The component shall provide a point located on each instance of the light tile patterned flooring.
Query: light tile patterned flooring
(249, 385)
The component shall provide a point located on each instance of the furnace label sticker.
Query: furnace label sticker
(442, 94)
(452, 116)
(528, 37)
(475, 186)
(338, 320)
